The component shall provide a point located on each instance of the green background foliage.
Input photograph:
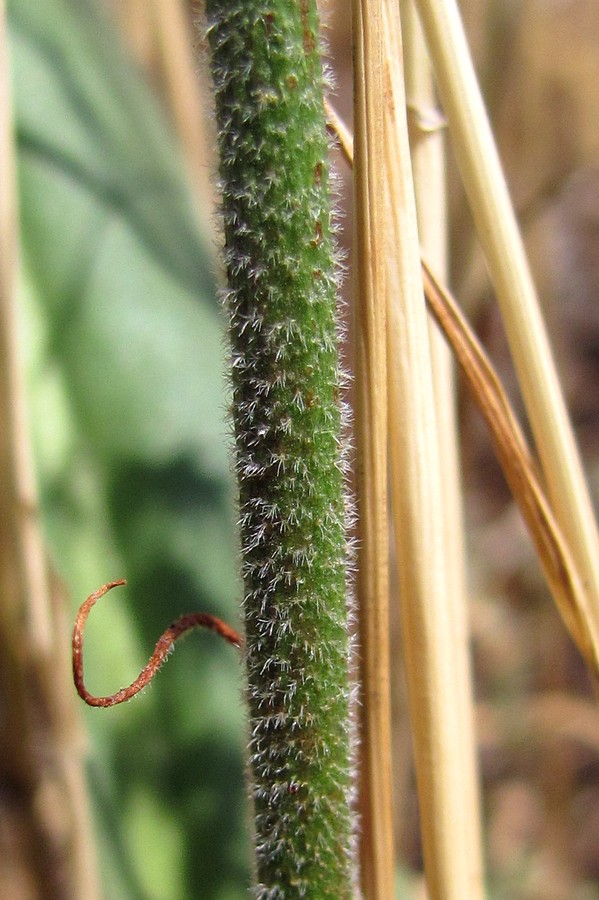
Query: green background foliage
(128, 399)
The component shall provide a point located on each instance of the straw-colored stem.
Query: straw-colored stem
(183, 94)
(376, 851)
(427, 143)
(159, 33)
(513, 454)
(434, 676)
(518, 466)
(479, 164)
(40, 744)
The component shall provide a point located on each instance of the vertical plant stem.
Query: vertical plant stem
(427, 146)
(158, 31)
(497, 229)
(286, 379)
(435, 681)
(41, 767)
(371, 453)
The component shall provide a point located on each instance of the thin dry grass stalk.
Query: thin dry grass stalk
(427, 144)
(513, 453)
(519, 468)
(556, 557)
(440, 850)
(434, 674)
(159, 35)
(498, 232)
(41, 760)
(376, 851)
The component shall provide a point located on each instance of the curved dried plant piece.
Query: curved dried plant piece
(163, 647)
(519, 467)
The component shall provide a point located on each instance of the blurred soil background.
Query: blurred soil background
(124, 350)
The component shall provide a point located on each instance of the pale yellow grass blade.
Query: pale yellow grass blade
(497, 229)
(427, 144)
(432, 668)
(376, 850)
(161, 38)
(514, 455)
(521, 473)
(430, 663)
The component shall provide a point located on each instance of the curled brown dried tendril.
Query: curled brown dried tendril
(161, 650)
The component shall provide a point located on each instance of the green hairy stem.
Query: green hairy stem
(288, 425)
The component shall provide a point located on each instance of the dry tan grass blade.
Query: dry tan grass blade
(158, 34)
(451, 870)
(497, 230)
(430, 637)
(426, 128)
(376, 840)
(518, 466)
(513, 453)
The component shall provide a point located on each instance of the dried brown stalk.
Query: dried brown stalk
(427, 133)
(162, 649)
(520, 470)
(431, 647)
(46, 842)
(478, 161)
(159, 35)
(372, 587)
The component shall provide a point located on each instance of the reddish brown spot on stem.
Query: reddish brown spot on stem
(318, 173)
(308, 39)
(268, 22)
(161, 650)
(317, 240)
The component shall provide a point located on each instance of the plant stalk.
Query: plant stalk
(477, 158)
(157, 32)
(376, 848)
(427, 145)
(286, 379)
(434, 667)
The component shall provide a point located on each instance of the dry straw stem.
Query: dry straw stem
(513, 453)
(518, 466)
(427, 759)
(433, 671)
(427, 145)
(498, 232)
(164, 645)
(40, 752)
(376, 851)
(159, 34)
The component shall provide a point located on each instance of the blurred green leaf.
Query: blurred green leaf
(128, 369)
(110, 234)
